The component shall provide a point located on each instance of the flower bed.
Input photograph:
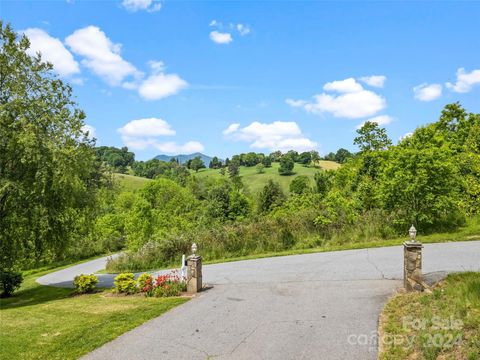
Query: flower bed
(166, 285)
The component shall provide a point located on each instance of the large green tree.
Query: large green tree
(197, 164)
(372, 137)
(48, 175)
(286, 165)
(161, 208)
(270, 197)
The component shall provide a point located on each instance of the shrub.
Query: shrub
(85, 283)
(287, 238)
(300, 185)
(270, 197)
(169, 285)
(125, 283)
(145, 283)
(168, 289)
(9, 282)
(260, 168)
(286, 166)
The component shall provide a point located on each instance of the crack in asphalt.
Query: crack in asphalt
(375, 265)
(208, 356)
(245, 338)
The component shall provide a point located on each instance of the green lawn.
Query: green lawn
(255, 182)
(43, 322)
(130, 182)
(442, 325)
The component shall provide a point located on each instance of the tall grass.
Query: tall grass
(269, 235)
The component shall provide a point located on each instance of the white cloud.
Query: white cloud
(343, 86)
(243, 29)
(90, 130)
(174, 148)
(427, 92)
(278, 135)
(374, 80)
(352, 101)
(136, 5)
(139, 143)
(76, 81)
(221, 38)
(149, 127)
(231, 129)
(380, 120)
(157, 66)
(158, 86)
(351, 105)
(465, 81)
(169, 147)
(295, 103)
(52, 50)
(101, 55)
(143, 134)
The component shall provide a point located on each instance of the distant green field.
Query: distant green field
(255, 182)
(328, 165)
(130, 182)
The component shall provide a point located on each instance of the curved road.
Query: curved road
(314, 306)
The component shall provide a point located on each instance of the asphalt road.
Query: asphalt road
(314, 306)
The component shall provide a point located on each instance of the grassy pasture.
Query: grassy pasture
(255, 181)
(130, 182)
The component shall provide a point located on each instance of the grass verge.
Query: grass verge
(470, 232)
(43, 322)
(441, 325)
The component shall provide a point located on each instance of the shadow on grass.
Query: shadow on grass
(37, 294)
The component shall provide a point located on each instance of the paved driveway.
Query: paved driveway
(315, 306)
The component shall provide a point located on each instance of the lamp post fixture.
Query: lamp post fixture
(413, 234)
(194, 248)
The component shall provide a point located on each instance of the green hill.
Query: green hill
(130, 182)
(255, 182)
(252, 180)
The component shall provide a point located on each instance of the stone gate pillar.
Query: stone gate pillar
(412, 269)
(194, 272)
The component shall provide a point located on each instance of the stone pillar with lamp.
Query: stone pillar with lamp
(194, 271)
(412, 266)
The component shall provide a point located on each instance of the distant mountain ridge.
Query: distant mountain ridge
(182, 159)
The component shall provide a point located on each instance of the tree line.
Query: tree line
(123, 161)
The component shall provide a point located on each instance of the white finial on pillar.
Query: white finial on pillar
(413, 233)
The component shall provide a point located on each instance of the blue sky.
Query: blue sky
(231, 77)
